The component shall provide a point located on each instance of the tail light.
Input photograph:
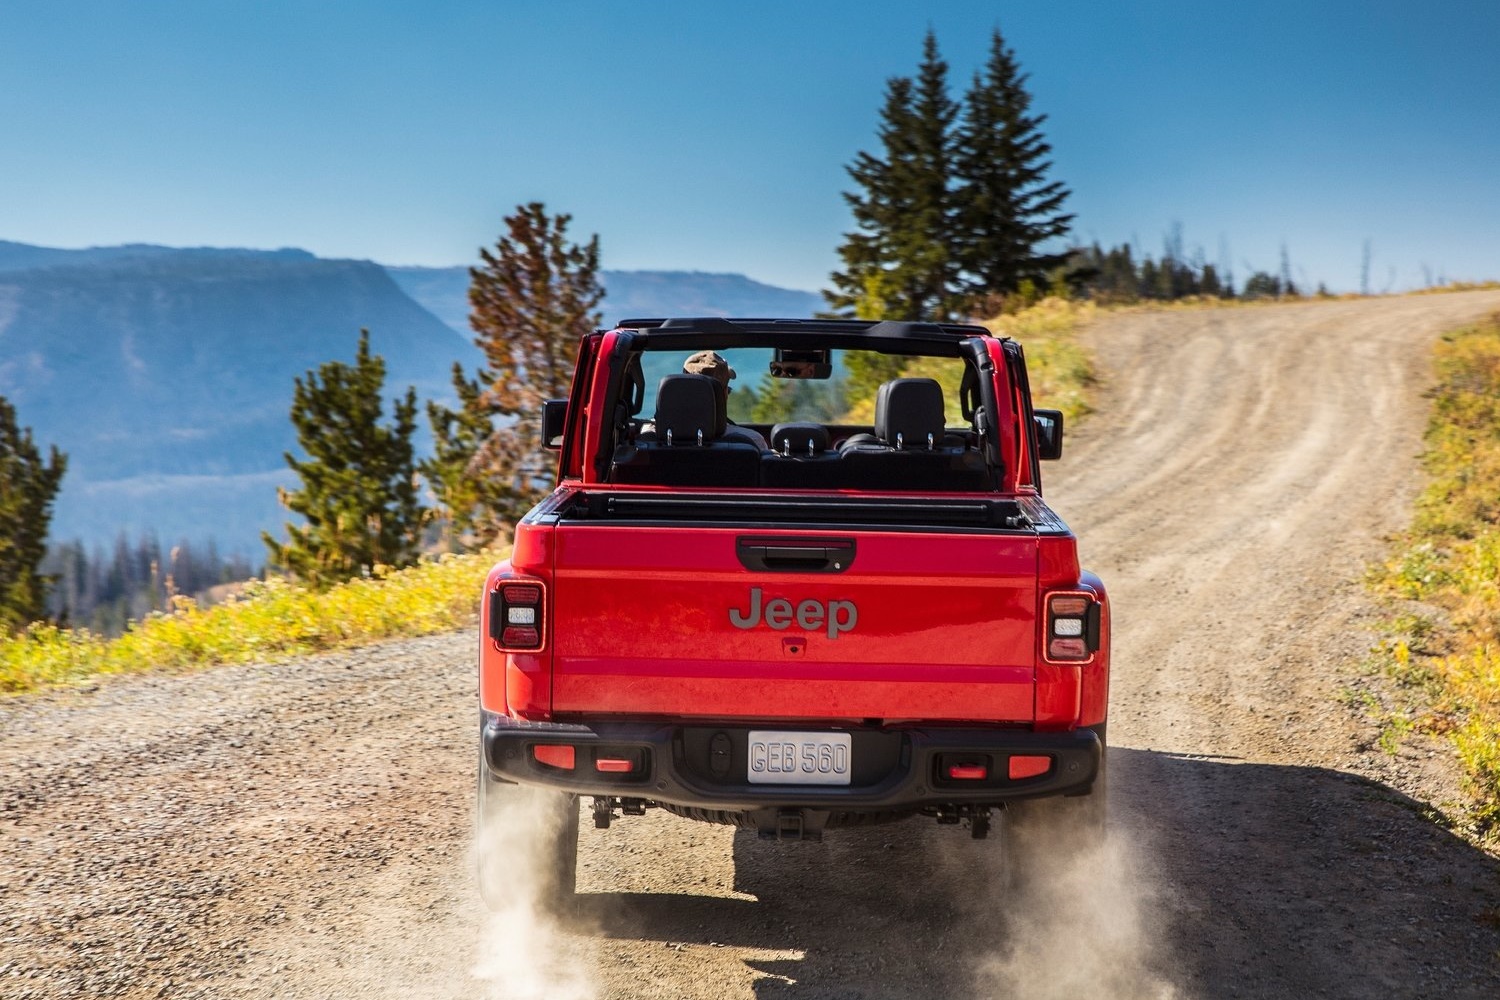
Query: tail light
(518, 616)
(1072, 627)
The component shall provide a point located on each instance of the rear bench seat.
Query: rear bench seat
(909, 449)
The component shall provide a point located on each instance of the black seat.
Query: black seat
(911, 449)
(908, 417)
(800, 459)
(687, 410)
(684, 446)
(800, 438)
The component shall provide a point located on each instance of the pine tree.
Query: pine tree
(358, 495)
(898, 263)
(1006, 209)
(533, 299)
(956, 209)
(28, 485)
(464, 497)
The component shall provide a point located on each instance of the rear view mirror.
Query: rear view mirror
(1049, 433)
(554, 422)
(798, 363)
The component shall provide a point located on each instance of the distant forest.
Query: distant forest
(103, 592)
(1118, 275)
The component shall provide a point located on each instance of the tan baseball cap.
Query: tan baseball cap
(709, 363)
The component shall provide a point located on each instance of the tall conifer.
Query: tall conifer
(957, 206)
(28, 485)
(358, 495)
(1006, 208)
(897, 262)
(464, 497)
(532, 301)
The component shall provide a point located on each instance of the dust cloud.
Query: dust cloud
(1079, 918)
(525, 949)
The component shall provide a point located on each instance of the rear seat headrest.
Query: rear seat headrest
(909, 413)
(799, 438)
(687, 408)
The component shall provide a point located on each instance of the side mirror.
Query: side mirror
(554, 423)
(1049, 433)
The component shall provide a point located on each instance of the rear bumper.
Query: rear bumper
(705, 765)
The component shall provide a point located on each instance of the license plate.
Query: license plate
(799, 758)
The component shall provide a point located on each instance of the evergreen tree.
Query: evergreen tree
(897, 263)
(464, 497)
(358, 495)
(533, 299)
(28, 485)
(955, 208)
(1006, 208)
(1261, 285)
(1210, 282)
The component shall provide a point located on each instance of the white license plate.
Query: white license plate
(799, 758)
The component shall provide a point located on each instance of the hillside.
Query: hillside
(166, 374)
(444, 292)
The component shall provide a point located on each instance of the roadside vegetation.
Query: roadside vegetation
(272, 620)
(1445, 659)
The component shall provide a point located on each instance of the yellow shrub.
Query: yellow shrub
(1451, 559)
(271, 620)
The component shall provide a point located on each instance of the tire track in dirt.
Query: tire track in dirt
(304, 830)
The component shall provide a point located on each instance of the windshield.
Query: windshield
(848, 397)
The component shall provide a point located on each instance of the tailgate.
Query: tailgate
(737, 623)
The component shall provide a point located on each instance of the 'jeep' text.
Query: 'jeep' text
(809, 615)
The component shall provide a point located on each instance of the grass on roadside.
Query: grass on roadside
(272, 620)
(1061, 372)
(1449, 670)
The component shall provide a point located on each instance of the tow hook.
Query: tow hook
(605, 806)
(976, 818)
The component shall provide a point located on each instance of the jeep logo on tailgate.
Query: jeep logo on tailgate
(778, 612)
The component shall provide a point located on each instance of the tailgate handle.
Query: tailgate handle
(795, 555)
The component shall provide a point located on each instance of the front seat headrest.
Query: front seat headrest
(687, 409)
(909, 413)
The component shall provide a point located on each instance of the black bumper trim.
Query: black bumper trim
(912, 782)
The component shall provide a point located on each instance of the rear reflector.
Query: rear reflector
(968, 772)
(614, 765)
(1028, 767)
(555, 755)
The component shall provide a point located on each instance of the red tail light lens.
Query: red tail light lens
(517, 617)
(1072, 627)
(520, 638)
(522, 594)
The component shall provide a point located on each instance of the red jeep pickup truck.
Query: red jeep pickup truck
(825, 615)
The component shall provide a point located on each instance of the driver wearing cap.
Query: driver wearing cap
(713, 365)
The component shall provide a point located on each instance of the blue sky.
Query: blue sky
(714, 137)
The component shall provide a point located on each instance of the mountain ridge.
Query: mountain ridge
(166, 373)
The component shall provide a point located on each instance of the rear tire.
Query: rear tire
(526, 844)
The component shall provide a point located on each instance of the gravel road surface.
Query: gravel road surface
(304, 830)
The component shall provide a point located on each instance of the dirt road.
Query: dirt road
(304, 830)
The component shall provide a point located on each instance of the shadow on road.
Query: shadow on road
(1221, 879)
